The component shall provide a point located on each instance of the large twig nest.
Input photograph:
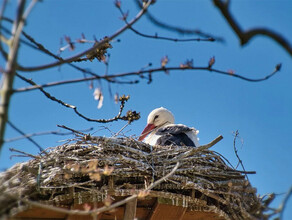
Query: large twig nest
(94, 167)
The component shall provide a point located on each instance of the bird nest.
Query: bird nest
(92, 168)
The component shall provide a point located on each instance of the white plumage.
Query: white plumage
(161, 130)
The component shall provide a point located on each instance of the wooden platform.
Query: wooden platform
(146, 209)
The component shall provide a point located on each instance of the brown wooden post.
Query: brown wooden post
(130, 211)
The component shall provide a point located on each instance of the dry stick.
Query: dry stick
(246, 36)
(42, 133)
(104, 208)
(97, 46)
(48, 95)
(24, 153)
(235, 150)
(141, 72)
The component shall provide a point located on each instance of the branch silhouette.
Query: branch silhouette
(246, 36)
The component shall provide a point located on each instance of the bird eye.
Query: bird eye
(156, 116)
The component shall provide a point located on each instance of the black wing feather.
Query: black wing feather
(174, 135)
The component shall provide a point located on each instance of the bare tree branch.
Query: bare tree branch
(178, 29)
(104, 208)
(130, 116)
(96, 46)
(151, 71)
(42, 48)
(211, 39)
(246, 36)
(8, 75)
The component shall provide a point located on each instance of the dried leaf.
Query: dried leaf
(211, 62)
(143, 193)
(108, 170)
(86, 207)
(231, 72)
(100, 52)
(187, 64)
(97, 94)
(116, 98)
(95, 176)
(107, 201)
(118, 3)
(164, 61)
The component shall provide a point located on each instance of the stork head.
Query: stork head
(158, 118)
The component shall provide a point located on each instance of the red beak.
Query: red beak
(146, 131)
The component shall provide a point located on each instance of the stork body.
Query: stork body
(161, 130)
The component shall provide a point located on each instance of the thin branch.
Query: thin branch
(70, 129)
(246, 36)
(236, 134)
(28, 138)
(24, 153)
(160, 37)
(141, 72)
(42, 48)
(129, 117)
(284, 203)
(178, 29)
(104, 208)
(96, 46)
(41, 134)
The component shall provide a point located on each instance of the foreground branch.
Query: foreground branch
(246, 36)
(9, 72)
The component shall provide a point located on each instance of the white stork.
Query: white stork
(161, 130)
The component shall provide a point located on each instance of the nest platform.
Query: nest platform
(97, 171)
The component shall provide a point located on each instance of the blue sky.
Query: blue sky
(213, 103)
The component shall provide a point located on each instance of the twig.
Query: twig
(46, 51)
(104, 208)
(48, 95)
(197, 149)
(160, 37)
(284, 203)
(24, 153)
(177, 29)
(28, 138)
(116, 134)
(236, 133)
(70, 129)
(246, 36)
(96, 46)
(40, 134)
(141, 72)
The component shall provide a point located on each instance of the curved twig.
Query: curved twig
(246, 36)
